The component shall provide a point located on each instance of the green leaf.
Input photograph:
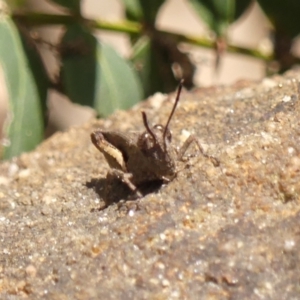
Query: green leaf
(240, 7)
(133, 10)
(94, 74)
(13, 4)
(284, 15)
(143, 59)
(219, 14)
(150, 9)
(154, 58)
(137, 10)
(73, 5)
(26, 84)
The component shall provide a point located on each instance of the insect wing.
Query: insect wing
(122, 142)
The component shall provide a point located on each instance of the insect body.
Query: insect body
(149, 158)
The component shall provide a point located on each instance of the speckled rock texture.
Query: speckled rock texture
(214, 232)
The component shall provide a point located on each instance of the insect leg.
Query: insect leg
(126, 178)
(192, 139)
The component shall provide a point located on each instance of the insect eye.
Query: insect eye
(158, 127)
(145, 141)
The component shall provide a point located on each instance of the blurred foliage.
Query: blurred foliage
(92, 73)
(72, 5)
(219, 14)
(284, 15)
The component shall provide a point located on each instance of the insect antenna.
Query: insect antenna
(172, 112)
(146, 124)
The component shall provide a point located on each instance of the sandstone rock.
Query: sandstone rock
(226, 232)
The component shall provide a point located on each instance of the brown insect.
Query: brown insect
(150, 157)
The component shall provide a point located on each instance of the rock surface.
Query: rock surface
(214, 232)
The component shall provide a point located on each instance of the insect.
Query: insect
(150, 157)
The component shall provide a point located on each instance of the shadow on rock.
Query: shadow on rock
(117, 190)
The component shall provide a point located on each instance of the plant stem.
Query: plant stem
(129, 27)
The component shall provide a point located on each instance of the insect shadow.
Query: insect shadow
(120, 190)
